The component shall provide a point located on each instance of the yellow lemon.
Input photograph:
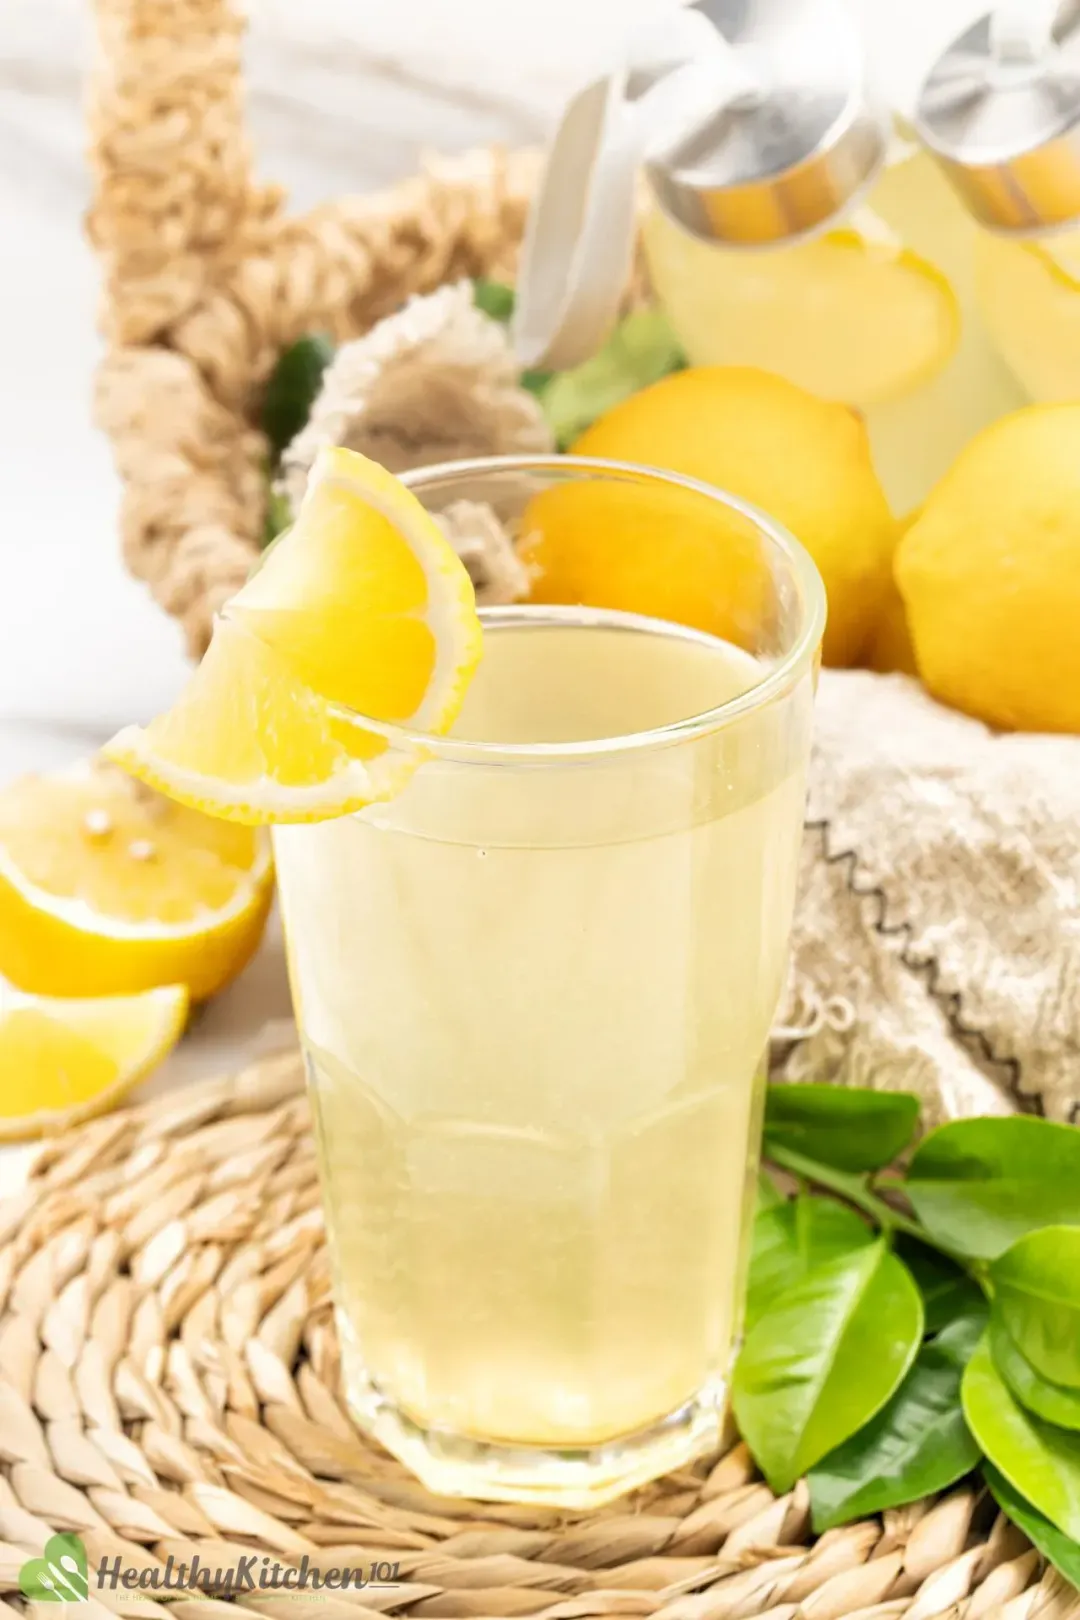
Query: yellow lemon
(107, 888)
(362, 611)
(62, 1061)
(990, 575)
(804, 461)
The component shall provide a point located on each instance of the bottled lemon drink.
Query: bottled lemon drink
(877, 311)
(789, 225)
(1000, 110)
(535, 992)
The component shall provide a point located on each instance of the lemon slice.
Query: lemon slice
(853, 316)
(106, 888)
(63, 1060)
(363, 610)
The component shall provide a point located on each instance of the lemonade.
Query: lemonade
(537, 869)
(917, 436)
(535, 993)
(1029, 293)
(999, 109)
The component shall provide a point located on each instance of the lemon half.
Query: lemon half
(62, 1061)
(106, 888)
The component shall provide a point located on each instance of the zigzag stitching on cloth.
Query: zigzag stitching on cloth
(926, 968)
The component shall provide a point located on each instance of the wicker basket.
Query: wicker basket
(207, 279)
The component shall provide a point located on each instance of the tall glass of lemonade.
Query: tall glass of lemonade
(535, 993)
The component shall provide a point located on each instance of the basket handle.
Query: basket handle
(205, 281)
(170, 157)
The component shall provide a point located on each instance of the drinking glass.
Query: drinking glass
(535, 991)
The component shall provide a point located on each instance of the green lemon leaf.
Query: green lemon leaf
(793, 1238)
(640, 351)
(1037, 1290)
(947, 1290)
(961, 1337)
(495, 298)
(1054, 1402)
(979, 1184)
(824, 1358)
(278, 518)
(769, 1195)
(846, 1127)
(1040, 1461)
(1062, 1551)
(292, 389)
(535, 381)
(916, 1445)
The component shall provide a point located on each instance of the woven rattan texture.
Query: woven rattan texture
(207, 278)
(169, 1384)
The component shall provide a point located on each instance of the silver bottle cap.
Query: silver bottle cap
(1000, 109)
(755, 125)
(790, 152)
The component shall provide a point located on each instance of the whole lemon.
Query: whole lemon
(990, 575)
(803, 460)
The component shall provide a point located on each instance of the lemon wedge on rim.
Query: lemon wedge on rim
(62, 1061)
(362, 610)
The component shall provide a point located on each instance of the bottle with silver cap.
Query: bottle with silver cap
(787, 227)
(1000, 111)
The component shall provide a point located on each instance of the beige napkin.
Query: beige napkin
(937, 937)
(437, 381)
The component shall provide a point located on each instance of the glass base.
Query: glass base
(452, 1464)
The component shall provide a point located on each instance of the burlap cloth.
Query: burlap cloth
(937, 937)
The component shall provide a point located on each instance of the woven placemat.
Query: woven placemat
(169, 1385)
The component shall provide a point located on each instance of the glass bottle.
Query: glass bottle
(1000, 111)
(878, 311)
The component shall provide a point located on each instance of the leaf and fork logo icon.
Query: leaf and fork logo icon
(60, 1575)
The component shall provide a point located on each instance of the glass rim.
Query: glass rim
(775, 682)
